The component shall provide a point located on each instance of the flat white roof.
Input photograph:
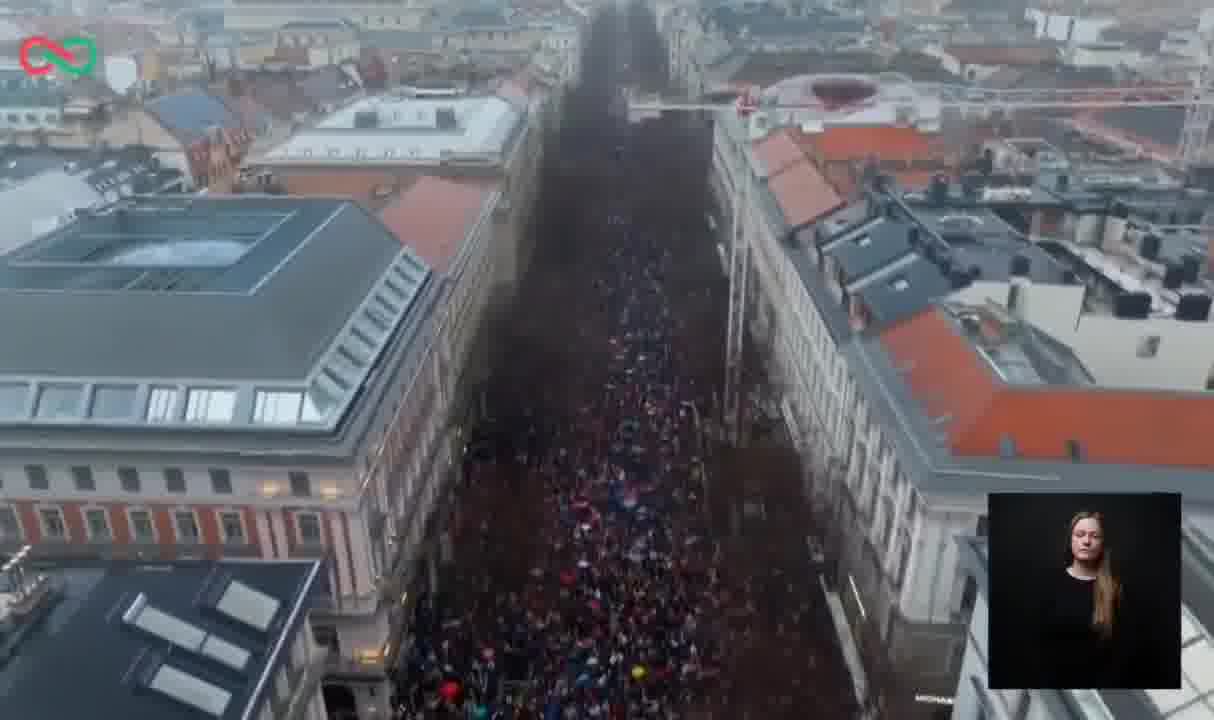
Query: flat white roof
(406, 130)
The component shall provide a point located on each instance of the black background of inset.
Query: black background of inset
(1028, 539)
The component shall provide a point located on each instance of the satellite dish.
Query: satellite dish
(121, 73)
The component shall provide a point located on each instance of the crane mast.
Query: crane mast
(1195, 133)
(1197, 99)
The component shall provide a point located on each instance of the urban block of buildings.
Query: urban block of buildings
(229, 640)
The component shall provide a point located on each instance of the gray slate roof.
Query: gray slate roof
(189, 114)
(85, 661)
(284, 299)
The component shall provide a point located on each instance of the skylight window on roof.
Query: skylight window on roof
(317, 405)
(384, 305)
(59, 402)
(248, 605)
(277, 407)
(361, 342)
(352, 357)
(14, 400)
(337, 377)
(162, 404)
(113, 402)
(163, 625)
(190, 690)
(900, 284)
(378, 318)
(210, 405)
(863, 240)
(222, 651)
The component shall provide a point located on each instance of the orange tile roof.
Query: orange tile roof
(434, 216)
(1135, 427)
(777, 152)
(800, 189)
(883, 143)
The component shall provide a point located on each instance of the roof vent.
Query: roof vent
(1194, 307)
(366, 119)
(444, 118)
(1173, 276)
(1192, 268)
(1021, 266)
(1132, 306)
(1149, 250)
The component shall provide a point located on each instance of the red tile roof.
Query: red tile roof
(434, 215)
(777, 152)
(1136, 427)
(861, 142)
(800, 189)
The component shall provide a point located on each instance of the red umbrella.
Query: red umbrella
(568, 577)
(449, 691)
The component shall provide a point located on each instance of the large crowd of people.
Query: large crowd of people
(624, 609)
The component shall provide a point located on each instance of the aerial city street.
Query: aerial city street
(605, 360)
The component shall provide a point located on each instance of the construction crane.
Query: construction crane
(1200, 104)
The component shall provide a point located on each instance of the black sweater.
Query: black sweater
(1072, 654)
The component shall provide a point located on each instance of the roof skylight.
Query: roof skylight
(184, 635)
(13, 400)
(277, 407)
(190, 690)
(247, 605)
(210, 405)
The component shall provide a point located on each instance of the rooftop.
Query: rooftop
(182, 640)
(40, 188)
(1037, 403)
(435, 215)
(128, 316)
(427, 127)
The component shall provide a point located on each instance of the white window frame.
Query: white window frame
(197, 540)
(46, 535)
(88, 527)
(152, 521)
(20, 525)
(223, 530)
(320, 529)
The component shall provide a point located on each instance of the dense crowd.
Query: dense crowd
(626, 607)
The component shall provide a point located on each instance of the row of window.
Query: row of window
(143, 529)
(33, 118)
(132, 481)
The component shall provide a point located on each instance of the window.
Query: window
(10, 526)
(232, 526)
(174, 480)
(142, 529)
(98, 523)
(301, 485)
(187, 526)
(128, 478)
(1148, 347)
(221, 481)
(36, 474)
(309, 528)
(83, 477)
(53, 527)
(984, 526)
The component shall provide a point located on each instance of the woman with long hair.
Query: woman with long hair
(1083, 644)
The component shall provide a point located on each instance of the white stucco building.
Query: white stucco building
(924, 358)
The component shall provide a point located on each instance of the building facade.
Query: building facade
(844, 298)
(226, 640)
(319, 435)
